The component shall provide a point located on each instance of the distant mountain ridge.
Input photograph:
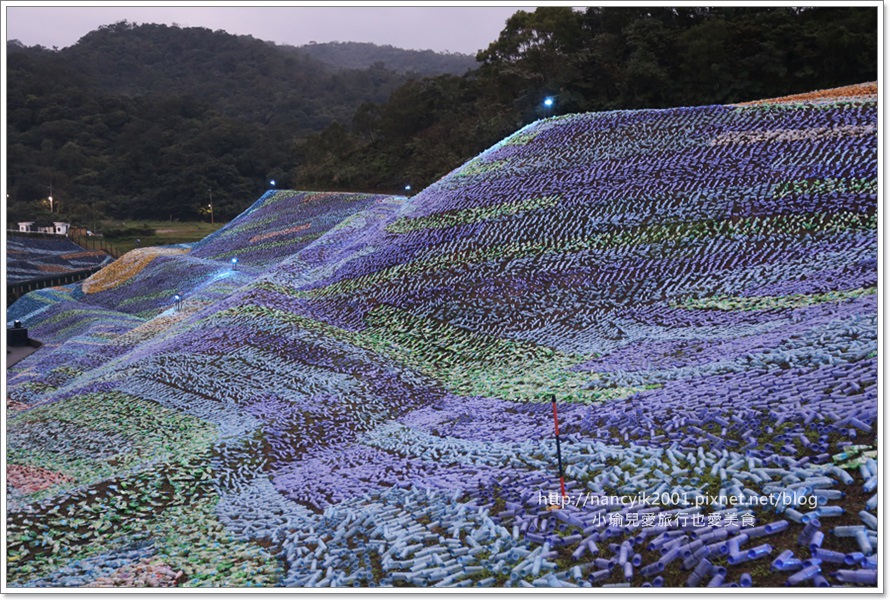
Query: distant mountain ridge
(363, 55)
(245, 77)
(238, 75)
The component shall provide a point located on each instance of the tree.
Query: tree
(532, 55)
(366, 121)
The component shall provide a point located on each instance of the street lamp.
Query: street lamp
(234, 262)
(548, 104)
(272, 183)
(50, 197)
(210, 206)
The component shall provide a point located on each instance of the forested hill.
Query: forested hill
(360, 55)
(240, 76)
(142, 121)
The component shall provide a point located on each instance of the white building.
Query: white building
(57, 228)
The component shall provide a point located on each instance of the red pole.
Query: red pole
(562, 482)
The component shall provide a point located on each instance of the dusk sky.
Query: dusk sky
(465, 29)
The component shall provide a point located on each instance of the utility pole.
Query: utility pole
(562, 481)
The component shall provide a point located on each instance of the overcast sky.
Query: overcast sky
(465, 29)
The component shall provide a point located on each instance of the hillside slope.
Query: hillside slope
(135, 298)
(695, 287)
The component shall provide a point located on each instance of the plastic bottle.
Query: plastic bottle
(804, 574)
(863, 576)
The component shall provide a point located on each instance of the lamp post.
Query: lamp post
(548, 104)
(210, 206)
(272, 183)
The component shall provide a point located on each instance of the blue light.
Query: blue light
(407, 188)
(234, 261)
(548, 101)
(272, 183)
(177, 297)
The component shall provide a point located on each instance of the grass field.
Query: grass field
(166, 232)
